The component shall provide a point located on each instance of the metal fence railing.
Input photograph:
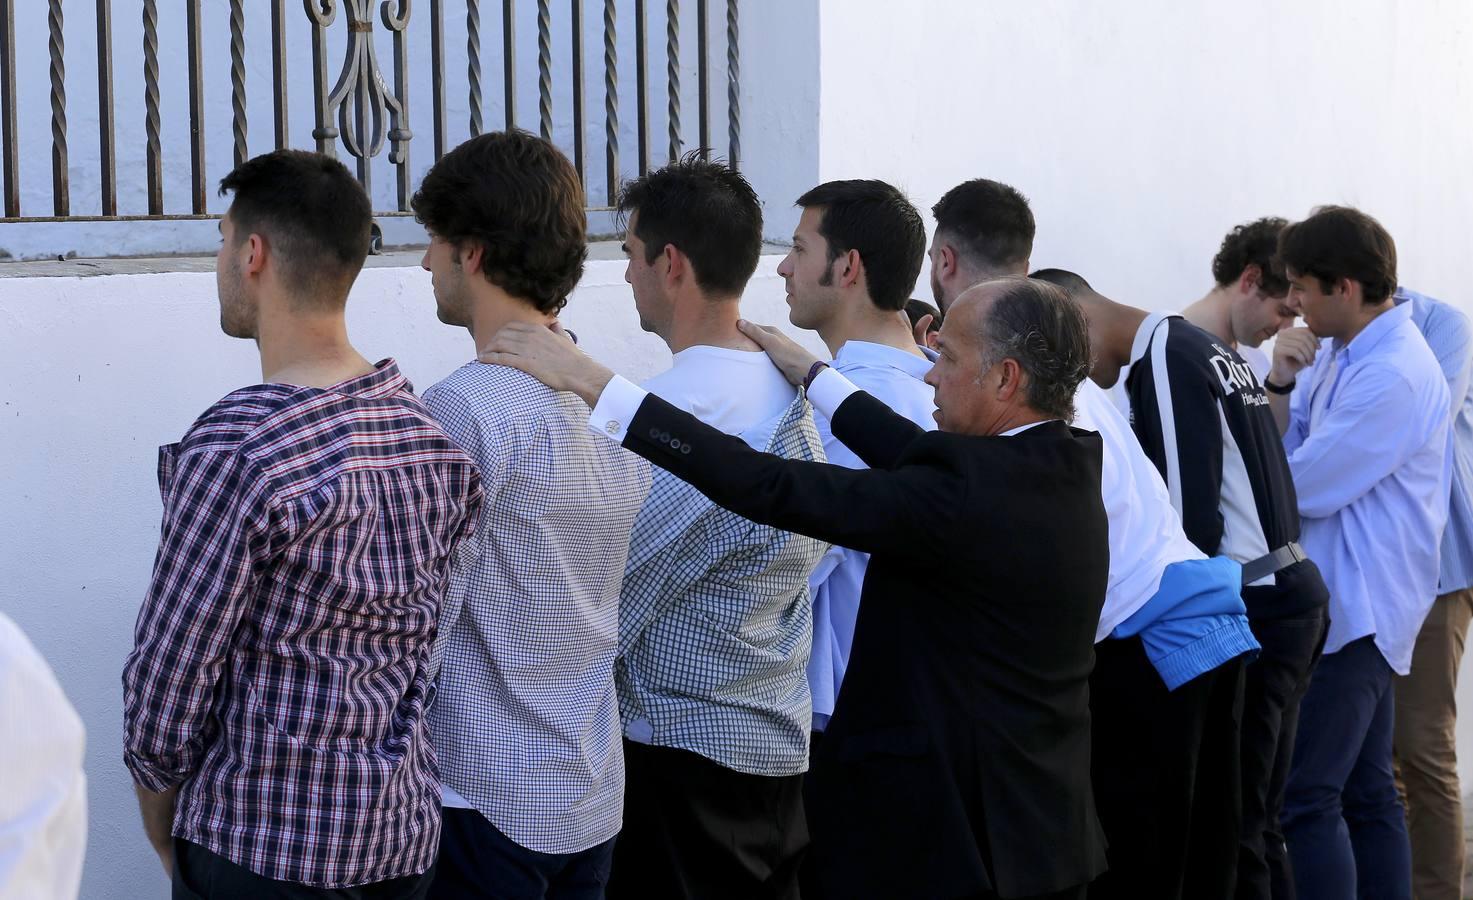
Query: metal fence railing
(358, 112)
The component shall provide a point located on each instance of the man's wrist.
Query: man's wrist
(591, 385)
(813, 370)
(1276, 384)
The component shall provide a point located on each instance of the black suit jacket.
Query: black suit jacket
(958, 756)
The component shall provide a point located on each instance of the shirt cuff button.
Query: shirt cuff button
(612, 426)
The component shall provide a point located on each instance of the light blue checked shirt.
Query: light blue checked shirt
(1451, 339)
(716, 625)
(1368, 446)
(525, 719)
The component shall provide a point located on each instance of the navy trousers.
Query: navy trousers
(478, 861)
(1343, 818)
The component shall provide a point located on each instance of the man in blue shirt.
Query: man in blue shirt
(856, 255)
(1426, 709)
(1366, 432)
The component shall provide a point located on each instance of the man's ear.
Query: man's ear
(1250, 279)
(853, 269)
(676, 264)
(470, 255)
(253, 254)
(945, 260)
(1010, 379)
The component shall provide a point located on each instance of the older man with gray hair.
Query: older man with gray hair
(957, 759)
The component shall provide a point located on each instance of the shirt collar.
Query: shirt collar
(1364, 344)
(383, 381)
(1022, 428)
(870, 353)
(1144, 333)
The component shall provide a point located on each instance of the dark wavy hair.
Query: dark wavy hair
(877, 220)
(1253, 243)
(708, 211)
(311, 210)
(1340, 242)
(515, 196)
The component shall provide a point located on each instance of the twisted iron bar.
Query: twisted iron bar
(237, 80)
(611, 97)
(672, 73)
(61, 191)
(473, 60)
(544, 69)
(733, 85)
(151, 107)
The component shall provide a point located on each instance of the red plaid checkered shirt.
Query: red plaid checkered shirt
(282, 656)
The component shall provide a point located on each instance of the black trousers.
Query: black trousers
(1166, 777)
(696, 829)
(1275, 683)
(478, 862)
(201, 874)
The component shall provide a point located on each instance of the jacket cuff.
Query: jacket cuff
(616, 407)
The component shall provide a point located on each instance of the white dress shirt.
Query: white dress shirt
(43, 791)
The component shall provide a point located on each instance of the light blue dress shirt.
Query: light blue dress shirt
(1451, 338)
(1368, 446)
(893, 377)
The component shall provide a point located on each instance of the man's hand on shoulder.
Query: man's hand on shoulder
(548, 355)
(787, 354)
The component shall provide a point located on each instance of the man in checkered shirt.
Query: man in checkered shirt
(716, 619)
(525, 720)
(275, 697)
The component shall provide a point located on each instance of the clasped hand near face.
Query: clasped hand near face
(1294, 350)
(549, 355)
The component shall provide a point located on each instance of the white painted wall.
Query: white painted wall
(95, 374)
(1143, 131)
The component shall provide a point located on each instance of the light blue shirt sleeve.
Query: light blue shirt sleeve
(1451, 340)
(1299, 408)
(1373, 431)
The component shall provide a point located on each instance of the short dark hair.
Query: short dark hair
(1340, 242)
(312, 212)
(1036, 323)
(878, 221)
(915, 310)
(516, 197)
(1071, 282)
(708, 211)
(1254, 243)
(990, 222)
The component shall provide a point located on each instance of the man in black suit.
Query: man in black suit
(957, 760)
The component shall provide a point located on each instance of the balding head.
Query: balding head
(1009, 346)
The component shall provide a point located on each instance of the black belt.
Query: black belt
(1282, 558)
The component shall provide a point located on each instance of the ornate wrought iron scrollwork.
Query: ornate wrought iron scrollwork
(366, 112)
